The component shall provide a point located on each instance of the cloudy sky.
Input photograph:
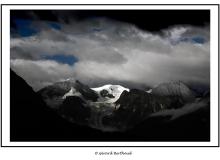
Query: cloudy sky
(144, 47)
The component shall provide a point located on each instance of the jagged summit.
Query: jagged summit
(57, 92)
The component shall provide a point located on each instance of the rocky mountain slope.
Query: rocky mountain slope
(114, 107)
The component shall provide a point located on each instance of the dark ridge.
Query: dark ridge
(32, 120)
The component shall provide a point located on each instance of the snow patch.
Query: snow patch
(115, 90)
(72, 92)
(149, 91)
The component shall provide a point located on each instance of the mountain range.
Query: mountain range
(72, 111)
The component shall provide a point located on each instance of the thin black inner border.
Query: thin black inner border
(111, 5)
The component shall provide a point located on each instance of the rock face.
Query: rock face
(54, 94)
(189, 123)
(137, 105)
(87, 93)
(104, 93)
(74, 110)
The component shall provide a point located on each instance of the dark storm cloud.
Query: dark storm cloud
(151, 20)
(112, 51)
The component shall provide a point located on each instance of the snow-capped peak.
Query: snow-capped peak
(112, 92)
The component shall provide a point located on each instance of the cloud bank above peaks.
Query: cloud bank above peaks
(109, 50)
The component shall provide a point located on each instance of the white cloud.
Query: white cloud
(109, 50)
(41, 73)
